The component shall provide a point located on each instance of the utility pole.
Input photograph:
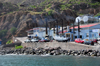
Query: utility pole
(54, 28)
(49, 29)
(73, 27)
(46, 29)
(78, 29)
(62, 27)
(57, 26)
(73, 31)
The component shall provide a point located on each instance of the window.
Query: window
(92, 35)
(67, 34)
(87, 35)
(80, 36)
(75, 36)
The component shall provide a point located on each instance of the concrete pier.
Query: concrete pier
(63, 45)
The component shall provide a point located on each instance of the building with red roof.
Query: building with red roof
(85, 26)
(87, 31)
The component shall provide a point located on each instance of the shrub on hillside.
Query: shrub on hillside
(13, 30)
(3, 33)
(9, 42)
(18, 47)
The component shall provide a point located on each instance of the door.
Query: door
(72, 36)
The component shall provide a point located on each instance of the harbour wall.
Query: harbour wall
(63, 45)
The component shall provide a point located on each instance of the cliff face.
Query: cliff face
(26, 14)
(24, 21)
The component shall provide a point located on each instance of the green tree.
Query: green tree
(13, 30)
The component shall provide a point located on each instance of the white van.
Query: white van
(98, 41)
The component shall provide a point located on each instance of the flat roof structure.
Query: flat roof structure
(85, 26)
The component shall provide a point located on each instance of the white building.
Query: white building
(40, 32)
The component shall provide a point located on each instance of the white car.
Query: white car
(27, 41)
(88, 41)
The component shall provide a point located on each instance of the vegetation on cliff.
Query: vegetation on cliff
(9, 42)
(26, 14)
(38, 7)
(13, 30)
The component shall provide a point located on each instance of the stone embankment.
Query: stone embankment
(53, 48)
(50, 51)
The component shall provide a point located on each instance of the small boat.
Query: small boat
(44, 40)
(61, 39)
(34, 40)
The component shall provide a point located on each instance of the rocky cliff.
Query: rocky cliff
(24, 20)
(26, 14)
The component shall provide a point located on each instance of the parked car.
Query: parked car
(94, 40)
(88, 41)
(27, 41)
(79, 40)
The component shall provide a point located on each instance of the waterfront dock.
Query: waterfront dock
(63, 45)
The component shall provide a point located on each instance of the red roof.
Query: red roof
(63, 31)
(85, 26)
(33, 29)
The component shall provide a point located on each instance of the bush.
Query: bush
(9, 42)
(49, 5)
(63, 7)
(98, 14)
(50, 12)
(94, 5)
(33, 6)
(3, 33)
(13, 30)
(18, 47)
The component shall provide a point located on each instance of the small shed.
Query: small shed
(70, 35)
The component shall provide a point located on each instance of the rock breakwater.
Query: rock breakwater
(50, 51)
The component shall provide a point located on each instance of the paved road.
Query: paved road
(63, 45)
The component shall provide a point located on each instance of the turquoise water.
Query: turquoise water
(29, 60)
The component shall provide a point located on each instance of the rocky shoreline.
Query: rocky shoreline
(50, 51)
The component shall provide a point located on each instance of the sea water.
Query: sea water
(30, 60)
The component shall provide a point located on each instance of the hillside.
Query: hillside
(79, 6)
(26, 14)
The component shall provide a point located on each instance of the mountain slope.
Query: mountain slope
(79, 6)
(26, 14)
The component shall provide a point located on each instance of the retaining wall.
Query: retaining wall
(63, 45)
(12, 44)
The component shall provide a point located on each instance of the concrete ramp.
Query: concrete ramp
(21, 39)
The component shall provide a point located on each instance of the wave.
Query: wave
(46, 55)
